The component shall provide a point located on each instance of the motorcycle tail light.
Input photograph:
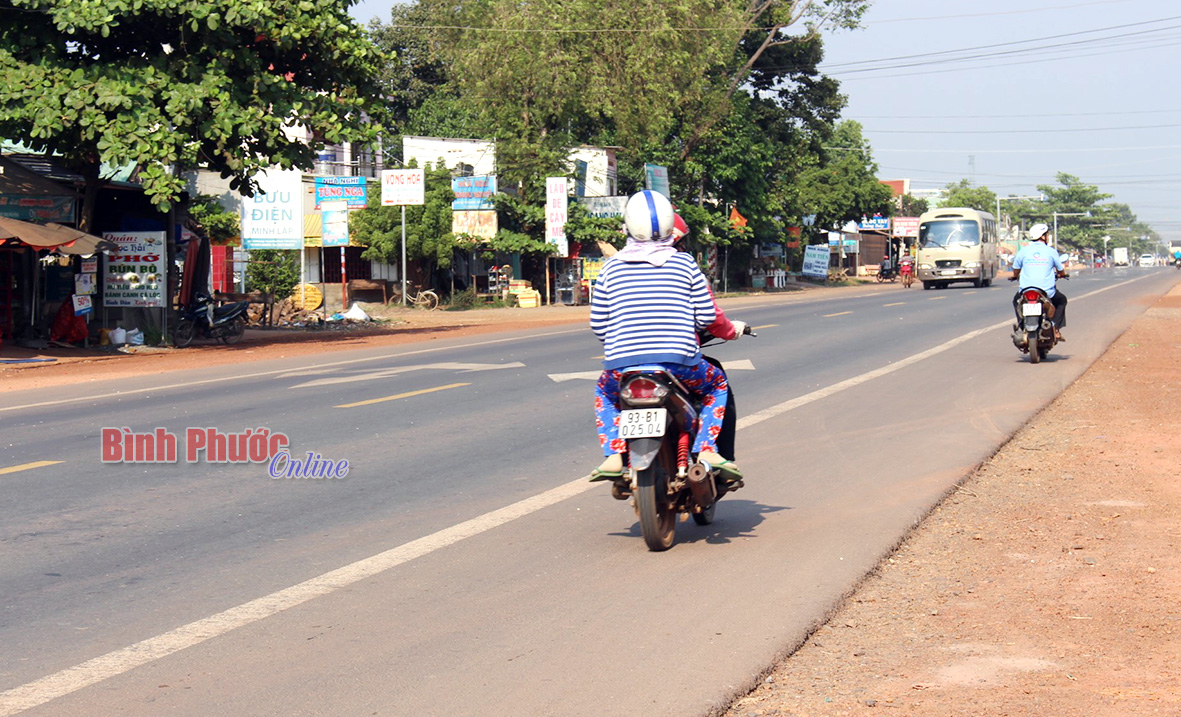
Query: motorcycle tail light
(639, 389)
(1032, 296)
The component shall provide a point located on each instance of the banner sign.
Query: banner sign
(556, 211)
(906, 227)
(334, 224)
(84, 284)
(352, 190)
(37, 209)
(816, 260)
(82, 305)
(604, 207)
(877, 223)
(133, 274)
(402, 187)
(473, 193)
(481, 224)
(656, 178)
(273, 218)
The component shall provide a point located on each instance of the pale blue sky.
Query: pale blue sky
(1086, 87)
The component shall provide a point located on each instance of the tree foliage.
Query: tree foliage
(208, 217)
(428, 226)
(842, 186)
(167, 83)
(965, 194)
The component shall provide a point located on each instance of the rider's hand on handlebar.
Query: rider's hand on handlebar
(740, 328)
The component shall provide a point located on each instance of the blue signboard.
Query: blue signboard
(352, 190)
(473, 193)
(877, 223)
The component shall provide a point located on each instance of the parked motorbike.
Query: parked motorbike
(658, 420)
(201, 319)
(1034, 333)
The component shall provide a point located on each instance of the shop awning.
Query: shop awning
(52, 236)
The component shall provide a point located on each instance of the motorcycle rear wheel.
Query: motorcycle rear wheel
(234, 334)
(658, 518)
(1035, 351)
(183, 334)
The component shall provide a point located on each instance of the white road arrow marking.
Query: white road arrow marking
(390, 372)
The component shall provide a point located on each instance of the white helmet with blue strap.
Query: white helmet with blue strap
(649, 216)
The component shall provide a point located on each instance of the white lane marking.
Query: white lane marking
(576, 376)
(736, 365)
(348, 362)
(72, 679)
(120, 661)
(747, 421)
(388, 372)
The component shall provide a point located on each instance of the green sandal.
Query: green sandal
(599, 475)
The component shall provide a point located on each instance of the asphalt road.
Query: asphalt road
(461, 567)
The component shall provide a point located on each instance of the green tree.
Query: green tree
(428, 226)
(965, 194)
(208, 217)
(182, 83)
(912, 206)
(842, 186)
(273, 271)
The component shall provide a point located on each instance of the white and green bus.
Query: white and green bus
(957, 244)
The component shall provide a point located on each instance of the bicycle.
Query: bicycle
(420, 299)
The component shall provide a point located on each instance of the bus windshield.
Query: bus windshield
(948, 233)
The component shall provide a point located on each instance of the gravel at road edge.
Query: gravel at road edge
(1047, 583)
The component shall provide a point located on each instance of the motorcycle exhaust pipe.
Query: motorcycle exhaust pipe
(701, 485)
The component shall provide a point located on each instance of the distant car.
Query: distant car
(1147, 260)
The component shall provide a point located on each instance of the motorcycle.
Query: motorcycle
(202, 319)
(1034, 333)
(907, 272)
(658, 419)
(886, 274)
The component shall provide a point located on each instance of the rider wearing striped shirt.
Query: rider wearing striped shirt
(647, 307)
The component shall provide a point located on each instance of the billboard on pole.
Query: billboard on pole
(273, 218)
(400, 187)
(555, 214)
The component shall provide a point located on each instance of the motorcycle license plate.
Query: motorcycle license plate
(1033, 309)
(642, 423)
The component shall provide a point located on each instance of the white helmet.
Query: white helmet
(1038, 232)
(649, 216)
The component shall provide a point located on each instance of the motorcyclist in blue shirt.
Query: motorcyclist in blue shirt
(1039, 265)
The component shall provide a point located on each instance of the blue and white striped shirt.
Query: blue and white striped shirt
(651, 314)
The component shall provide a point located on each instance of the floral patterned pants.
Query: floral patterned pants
(703, 379)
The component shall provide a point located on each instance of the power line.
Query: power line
(933, 59)
(1010, 116)
(1006, 151)
(1016, 131)
(1007, 64)
(1002, 12)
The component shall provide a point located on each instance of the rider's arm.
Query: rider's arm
(721, 327)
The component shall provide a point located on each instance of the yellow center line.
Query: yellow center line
(829, 316)
(764, 326)
(28, 466)
(402, 395)
(896, 303)
(937, 298)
